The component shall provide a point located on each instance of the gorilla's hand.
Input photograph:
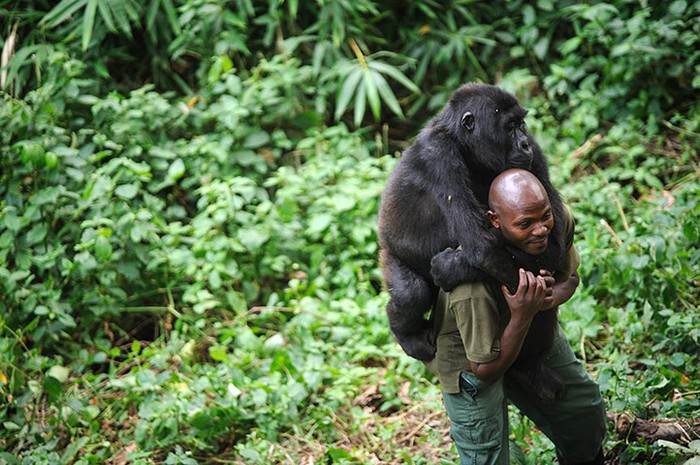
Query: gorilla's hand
(451, 267)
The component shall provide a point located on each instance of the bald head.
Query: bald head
(520, 210)
(510, 187)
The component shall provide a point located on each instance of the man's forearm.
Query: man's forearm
(562, 291)
(511, 343)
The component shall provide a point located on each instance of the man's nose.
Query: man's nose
(541, 230)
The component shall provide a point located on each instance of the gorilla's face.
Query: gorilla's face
(489, 124)
(521, 152)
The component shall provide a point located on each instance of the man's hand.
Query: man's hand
(548, 277)
(561, 290)
(531, 296)
(534, 294)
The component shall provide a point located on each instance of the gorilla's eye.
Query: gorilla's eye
(468, 121)
(513, 125)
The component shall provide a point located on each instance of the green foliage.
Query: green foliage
(627, 57)
(364, 82)
(188, 253)
(685, 455)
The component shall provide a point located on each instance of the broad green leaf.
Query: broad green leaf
(370, 85)
(53, 388)
(570, 46)
(252, 238)
(146, 378)
(10, 426)
(274, 342)
(218, 353)
(6, 238)
(395, 74)
(387, 94)
(233, 391)
(59, 372)
(61, 12)
(135, 347)
(293, 8)
(677, 359)
(75, 447)
(119, 14)
(201, 421)
(672, 445)
(343, 203)
(132, 10)
(346, 92)
(151, 15)
(541, 47)
(106, 15)
(319, 223)
(37, 233)
(360, 104)
(89, 22)
(47, 195)
(51, 160)
(256, 139)
(319, 55)
(176, 170)
(103, 248)
(337, 455)
(678, 7)
(126, 191)
(171, 13)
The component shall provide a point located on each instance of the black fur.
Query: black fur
(432, 215)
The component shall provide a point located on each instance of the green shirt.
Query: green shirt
(469, 321)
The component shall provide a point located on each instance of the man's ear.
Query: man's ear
(494, 219)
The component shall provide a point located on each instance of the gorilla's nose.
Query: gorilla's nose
(525, 146)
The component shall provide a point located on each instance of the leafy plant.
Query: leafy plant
(685, 455)
(188, 254)
(364, 82)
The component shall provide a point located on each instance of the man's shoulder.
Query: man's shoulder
(475, 290)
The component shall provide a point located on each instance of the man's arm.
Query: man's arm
(531, 296)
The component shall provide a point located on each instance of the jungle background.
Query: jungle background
(188, 201)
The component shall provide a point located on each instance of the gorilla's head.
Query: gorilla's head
(488, 125)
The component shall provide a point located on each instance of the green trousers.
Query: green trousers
(479, 416)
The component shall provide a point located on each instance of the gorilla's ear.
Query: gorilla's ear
(468, 121)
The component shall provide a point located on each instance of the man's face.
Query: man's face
(525, 222)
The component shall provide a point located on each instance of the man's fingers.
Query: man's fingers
(506, 292)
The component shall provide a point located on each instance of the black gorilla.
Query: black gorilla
(433, 210)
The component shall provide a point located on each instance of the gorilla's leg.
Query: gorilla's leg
(455, 266)
(452, 267)
(410, 296)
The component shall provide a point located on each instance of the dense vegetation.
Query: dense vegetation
(188, 198)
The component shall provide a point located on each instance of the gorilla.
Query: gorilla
(433, 230)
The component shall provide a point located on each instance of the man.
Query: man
(480, 330)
